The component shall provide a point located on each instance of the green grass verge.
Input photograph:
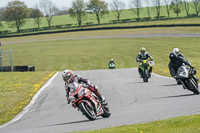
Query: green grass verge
(186, 124)
(16, 91)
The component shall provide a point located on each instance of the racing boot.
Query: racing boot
(140, 72)
(150, 71)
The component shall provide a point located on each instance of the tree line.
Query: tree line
(16, 12)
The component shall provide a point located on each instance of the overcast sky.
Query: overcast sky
(59, 3)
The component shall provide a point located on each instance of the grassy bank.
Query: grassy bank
(186, 124)
(16, 91)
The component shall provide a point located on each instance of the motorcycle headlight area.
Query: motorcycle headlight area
(81, 92)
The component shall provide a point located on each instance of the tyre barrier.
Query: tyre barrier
(17, 68)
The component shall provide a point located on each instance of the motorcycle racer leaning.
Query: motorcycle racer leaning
(176, 60)
(71, 80)
(143, 55)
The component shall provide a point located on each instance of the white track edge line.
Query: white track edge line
(26, 109)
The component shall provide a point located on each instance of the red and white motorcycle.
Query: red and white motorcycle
(88, 102)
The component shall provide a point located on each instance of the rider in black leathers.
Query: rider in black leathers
(176, 60)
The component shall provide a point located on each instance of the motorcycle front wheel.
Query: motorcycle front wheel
(145, 76)
(193, 86)
(87, 111)
(106, 111)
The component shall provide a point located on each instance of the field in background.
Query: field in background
(90, 54)
(108, 18)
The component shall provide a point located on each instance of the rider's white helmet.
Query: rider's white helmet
(176, 51)
(68, 76)
(111, 60)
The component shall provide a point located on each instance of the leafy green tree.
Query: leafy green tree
(16, 13)
(176, 6)
(78, 11)
(98, 7)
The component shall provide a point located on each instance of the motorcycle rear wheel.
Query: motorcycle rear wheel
(89, 113)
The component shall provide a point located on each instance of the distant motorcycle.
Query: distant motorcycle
(88, 103)
(187, 78)
(145, 66)
(111, 66)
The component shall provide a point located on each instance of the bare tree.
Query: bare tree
(176, 6)
(136, 6)
(49, 9)
(167, 5)
(37, 15)
(157, 5)
(196, 6)
(187, 6)
(78, 10)
(98, 7)
(1, 25)
(148, 8)
(1, 13)
(16, 13)
(117, 6)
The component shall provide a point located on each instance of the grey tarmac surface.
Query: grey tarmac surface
(111, 36)
(130, 99)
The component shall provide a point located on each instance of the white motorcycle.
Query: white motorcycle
(187, 78)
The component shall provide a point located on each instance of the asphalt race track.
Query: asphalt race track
(130, 99)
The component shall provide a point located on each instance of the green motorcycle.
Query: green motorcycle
(144, 67)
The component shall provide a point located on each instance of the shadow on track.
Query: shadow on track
(135, 82)
(186, 95)
(170, 85)
(68, 123)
